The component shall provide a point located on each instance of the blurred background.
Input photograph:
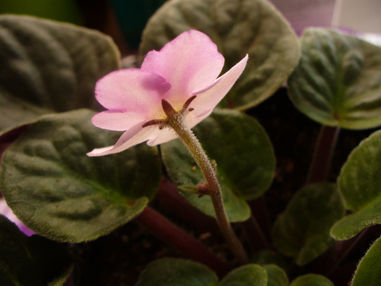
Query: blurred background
(124, 20)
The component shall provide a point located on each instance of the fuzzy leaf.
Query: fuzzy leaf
(311, 280)
(276, 275)
(47, 67)
(30, 261)
(238, 28)
(229, 137)
(338, 80)
(58, 191)
(360, 186)
(174, 272)
(247, 275)
(303, 231)
(369, 269)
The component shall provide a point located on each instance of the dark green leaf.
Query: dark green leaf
(176, 272)
(61, 193)
(247, 275)
(303, 231)
(244, 156)
(311, 280)
(360, 186)
(251, 27)
(276, 275)
(338, 80)
(30, 261)
(369, 269)
(48, 66)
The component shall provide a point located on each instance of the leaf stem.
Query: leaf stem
(323, 154)
(198, 153)
(181, 240)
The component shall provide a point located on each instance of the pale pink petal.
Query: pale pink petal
(208, 98)
(189, 62)
(6, 211)
(117, 120)
(131, 90)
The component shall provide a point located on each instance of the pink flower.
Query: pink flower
(6, 211)
(187, 66)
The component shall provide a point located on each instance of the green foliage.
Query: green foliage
(230, 138)
(61, 193)
(360, 186)
(251, 27)
(174, 272)
(30, 261)
(369, 269)
(48, 67)
(338, 80)
(311, 280)
(276, 275)
(303, 231)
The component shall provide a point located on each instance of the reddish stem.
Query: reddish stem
(182, 241)
(323, 154)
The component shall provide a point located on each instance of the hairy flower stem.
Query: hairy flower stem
(191, 142)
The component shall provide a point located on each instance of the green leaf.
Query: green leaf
(47, 67)
(59, 192)
(276, 275)
(311, 280)
(30, 261)
(338, 80)
(369, 269)
(244, 156)
(360, 186)
(175, 272)
(247, 275)
(251, 27)
(303, 231)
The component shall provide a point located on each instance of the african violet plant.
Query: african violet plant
(62, 181)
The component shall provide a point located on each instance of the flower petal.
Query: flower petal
(189, 62)
(208, 98)
(117, 120)
(135, 135)
(131, 90)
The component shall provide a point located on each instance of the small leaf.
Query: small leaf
(247, 275)
(244, 156)
(59, 192)
(30, 261)
(311, 280)
(369, 269)
(175, 272)
(303, 231)
(47, 66)
(338, 80)
(238, 28)
(360, 186)
(276, 275)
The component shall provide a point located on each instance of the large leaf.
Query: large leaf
(311, 280)
(360, 185)
(251, 27)
(338, 80)
(244, 156)
(303, 231)
(174, 272)
(61, 193)
(30, 261)
(369, 269)
(48, 66)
